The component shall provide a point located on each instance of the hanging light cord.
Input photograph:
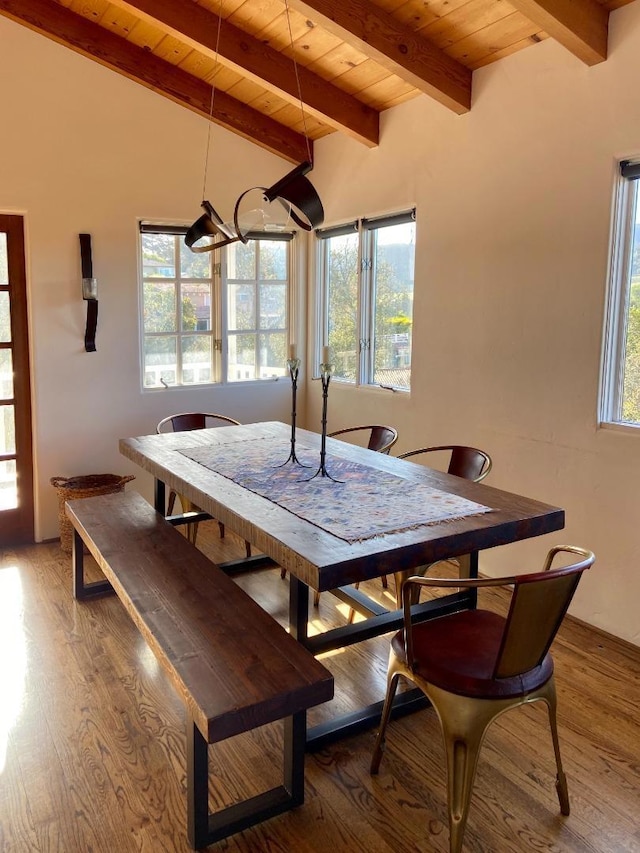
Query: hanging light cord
(295, 68)
(213, 93)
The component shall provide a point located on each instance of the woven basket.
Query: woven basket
(72, 488)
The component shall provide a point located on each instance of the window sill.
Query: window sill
(375, 389)
(616, 426)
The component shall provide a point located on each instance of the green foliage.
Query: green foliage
(631, 386)
(393, 308)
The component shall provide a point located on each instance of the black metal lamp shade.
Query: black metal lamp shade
(209, 225)
(296, 194)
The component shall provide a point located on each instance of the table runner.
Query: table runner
(366, 503)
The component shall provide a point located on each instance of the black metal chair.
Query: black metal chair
(183, 422)
(381, 438)
(466, 462)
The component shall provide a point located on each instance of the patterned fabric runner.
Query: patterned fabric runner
(366, 503)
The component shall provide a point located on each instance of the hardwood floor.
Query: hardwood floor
(92, 741)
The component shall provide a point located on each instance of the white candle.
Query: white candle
(292, 351)
(325, 355)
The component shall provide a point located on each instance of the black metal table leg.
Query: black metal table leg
(382, 621)
(81, 590)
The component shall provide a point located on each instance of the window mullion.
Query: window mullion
(366, 306)
(178, 274)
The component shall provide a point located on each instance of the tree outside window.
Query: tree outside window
(367, 275)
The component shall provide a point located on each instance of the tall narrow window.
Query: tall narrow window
(620, 386)
(391, 247)
(177, 299)
(366, 271)
(257, 278)
(339, 264)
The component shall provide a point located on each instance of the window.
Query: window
(620, 386)
(213, 317)
(366, 272)
(257, 300)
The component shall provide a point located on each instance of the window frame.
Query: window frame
(366, 229)
(611, 392)
(219, 281)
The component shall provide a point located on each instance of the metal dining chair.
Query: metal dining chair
(466, 462)
(381, 439)
(183, 422)
(474, 665)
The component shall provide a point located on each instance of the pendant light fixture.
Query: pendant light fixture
(294, 192)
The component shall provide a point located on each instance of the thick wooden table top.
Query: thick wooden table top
(316, 557)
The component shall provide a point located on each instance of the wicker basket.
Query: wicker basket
(72, 488)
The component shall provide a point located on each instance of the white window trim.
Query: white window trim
(617, 304)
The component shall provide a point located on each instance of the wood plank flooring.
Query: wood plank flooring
(92, 741)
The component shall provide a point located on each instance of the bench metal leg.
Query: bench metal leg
(204, 828)
(81, 590)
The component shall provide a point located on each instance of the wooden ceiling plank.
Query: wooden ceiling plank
(265, 65)
(508, 51)
(118, 21)
(579, 25)
(395, 46)
(493, 38)
(343, 58)
(250, 17)
(464, 21)
(99, 44)
(172, 50)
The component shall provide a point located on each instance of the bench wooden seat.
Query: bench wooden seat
(233, 665)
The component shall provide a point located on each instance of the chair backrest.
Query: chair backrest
(539, 603)
(381, 438)
(467, 462)
(194, 420)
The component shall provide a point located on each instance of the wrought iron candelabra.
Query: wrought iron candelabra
(326, 370)
(293, 364)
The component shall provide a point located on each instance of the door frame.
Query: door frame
(17, 525)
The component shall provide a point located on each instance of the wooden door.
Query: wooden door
(16, 463)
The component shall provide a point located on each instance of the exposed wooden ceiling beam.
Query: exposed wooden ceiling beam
(195, 26)
(579, 25)
(395, 46)
(74, 31)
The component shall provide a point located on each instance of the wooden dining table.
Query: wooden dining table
(332, 532)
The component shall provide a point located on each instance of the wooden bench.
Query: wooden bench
(233, 665)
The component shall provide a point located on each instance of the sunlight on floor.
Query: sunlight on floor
(13, 661)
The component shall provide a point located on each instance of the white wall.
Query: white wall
(83, 149)
(513, 216)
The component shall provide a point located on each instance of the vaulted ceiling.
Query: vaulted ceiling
(233, 60)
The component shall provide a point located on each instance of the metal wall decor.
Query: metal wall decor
(89, 292)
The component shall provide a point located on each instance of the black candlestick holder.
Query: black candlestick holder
(326, 370)
(294, 366)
